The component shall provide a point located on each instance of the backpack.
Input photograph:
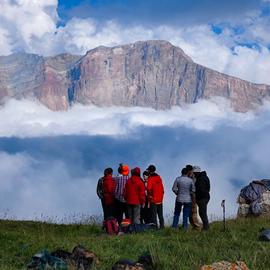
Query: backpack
(44, 260)
(265, 235)
(111, 226)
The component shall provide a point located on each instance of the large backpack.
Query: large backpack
(111, 226)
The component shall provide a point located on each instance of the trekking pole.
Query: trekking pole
(224, 220)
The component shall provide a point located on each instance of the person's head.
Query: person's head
(151, 169)
(136, 171)
(190, 170)
(145, 175)
(184, 171)
(108, 171)
(123, 169)
(196, 170)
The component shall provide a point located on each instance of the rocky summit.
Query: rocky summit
(152, 74)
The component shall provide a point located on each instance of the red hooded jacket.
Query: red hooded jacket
(134, 192)
(155, 189)
(108, 187)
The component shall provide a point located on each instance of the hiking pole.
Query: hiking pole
(224, 221)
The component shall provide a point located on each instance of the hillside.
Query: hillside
(174, 249)
(152, 74)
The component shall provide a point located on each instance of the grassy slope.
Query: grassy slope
(175, 249)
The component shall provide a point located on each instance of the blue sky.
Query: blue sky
(154, 12)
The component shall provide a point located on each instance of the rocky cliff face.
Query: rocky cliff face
(148, 74)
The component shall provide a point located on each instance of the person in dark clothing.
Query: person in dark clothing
(202, 186)
(145, 210)
(100, 194)
(155, 192)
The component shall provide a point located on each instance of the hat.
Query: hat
(124, 169)
(196, 168)
(136, 171)
(151, 168)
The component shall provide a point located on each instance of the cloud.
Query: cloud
(56, 174)
(29, 119)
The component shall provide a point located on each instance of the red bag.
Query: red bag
(111, 226)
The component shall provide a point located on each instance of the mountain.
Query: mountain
(147, 73)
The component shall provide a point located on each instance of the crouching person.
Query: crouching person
(134, 195)
(108, 190)
(184, 189)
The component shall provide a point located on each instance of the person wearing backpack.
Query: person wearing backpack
(108, 191)
(202, 186)
(155, 191)
(120, 203)
(134, 194)
(184, 190)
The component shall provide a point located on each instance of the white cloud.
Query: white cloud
(29, 119)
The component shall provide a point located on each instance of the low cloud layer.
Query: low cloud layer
(53, 170)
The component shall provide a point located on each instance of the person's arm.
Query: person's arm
(150, 188)
(175, 187)
(192, 192)
(142, 193)
(99, 188)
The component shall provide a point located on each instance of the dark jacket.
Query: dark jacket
(99, 188)
(202, 186)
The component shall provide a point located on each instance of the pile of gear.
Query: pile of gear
(79, 259)
(254, 199)
(224, 265)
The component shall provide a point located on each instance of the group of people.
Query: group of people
(140, 199)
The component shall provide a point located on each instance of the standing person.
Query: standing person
(202, 195)
(100, 193)
(121, 180)
(155, 191)
(108, 189)
(193, 217)
(145, 211)
(184, 190)
(134, 195)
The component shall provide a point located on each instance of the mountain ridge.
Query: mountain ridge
(151, 73)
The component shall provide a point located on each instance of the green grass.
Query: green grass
(171, 249)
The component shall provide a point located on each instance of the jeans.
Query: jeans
(134, 213)
(157, 210)
(177, 212)
(202, 204)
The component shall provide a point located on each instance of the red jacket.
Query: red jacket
(155, 189)
(134, 192)
(108, 188)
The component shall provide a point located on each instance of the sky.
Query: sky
(59, 156)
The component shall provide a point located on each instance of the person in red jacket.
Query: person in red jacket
(134, 195)
(155, 191)
(108, 190)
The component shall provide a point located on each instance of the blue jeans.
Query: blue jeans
(177, 212)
